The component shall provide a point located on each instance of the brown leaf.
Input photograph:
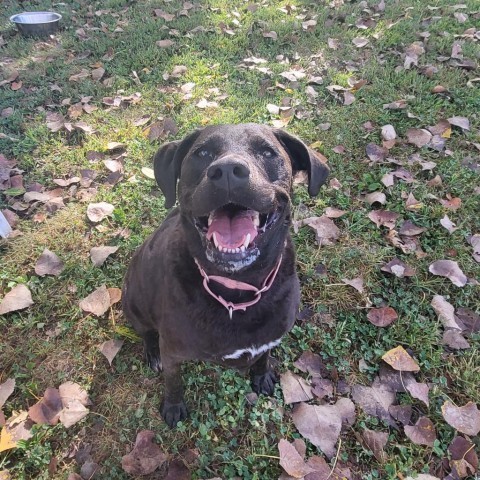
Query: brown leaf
(6, 389)
(70, 391)
(465, 419)
(72, 413)
(382, 317)
(398, 268)
(383, 218)
(409, 229)
(399, 359)
(445, 312)
(376, 153)
(455, 340)
(376, 197)
(291, 461)
(113, 146)
(145, 457)
(325, 229)
(360, 42)
(356, 283)
(469, 319)
(273, 35)
(177, 470)
(412, 52)
(448, 224)
(311, 363)
(115, 295)
(389, 133)
(451, 203)
(374, 400)
(295, 388)
(401, 413)
(77, 77)
(110, 349)
(98, 255)
(55, 121)
(348, 98)
(376, 441)
(98, 302)
(422, 433)
(164, 43)
(463, 449)
(96, 212)
(18, 298)
(450, 270)
(418, 390)
(321, 424)
(16, 85)
(474, 241)
(47, 410)
(418, 137)
(461, 122)
(49, 264)
(331, 212)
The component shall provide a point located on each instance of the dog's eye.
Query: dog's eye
(267, 152)
(203, 153)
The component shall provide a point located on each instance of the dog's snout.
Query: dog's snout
(228, 175)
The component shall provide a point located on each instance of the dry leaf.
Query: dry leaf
(145, 457)
(17, 298)
(98, 255)
(291, 461)
(383, 218)
(418, 137)
(376, 441)
(295, 388)
(376, 153)
(409, 229)
(165, 43)
(72, 413)
(326, 231)
(6, 389)
(376, 197)
(398, 268)
(110, 349)
(98, 302)
(360, 42)
(445, 312)
(70, 391)
(47, 410)
(331, 212)
(356, 283)
(422, 433)
(96, 212)
(389, 133)
(399, 359)
(449, 269)
(465, 419)
(461, 122)
(98, 73)
(418, 390)
(49, 264)
(382, 317)
(455, 340)
(374, 400)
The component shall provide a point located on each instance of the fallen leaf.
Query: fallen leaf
(164, 43)
(398, 268)
(374, 400)
(360, 42)
(451, 203)
(18, 298)
(469, 319)
(295, 388)
(98, 73)
(389, 133)
(115, 295)
(399, 359)
(55, 121)
(348, 98)
(376, 197)
(273, 35)
(463, 450)
(455, 340)
(112, 146)
(465, 419)
(445, 312)
(418, 390)
(47, 409)
(6, 389)
(72, 413)
(474, 241)
(412, 52)
(382, 317)
(331, 212)
(17, 427)
(49, 264)
(401, 413)
(145, 457)
(450, 270)
(325, 229)
(409, 229)
(291, 461)
(110, 348)
(376, 441)
(177, 470)
(70, 391)
(376, 153)
(422, 433)
(98, 302)
(321, 424)
(96, 212)
(312, 364)
(98, 255)
(418, 137)
(461, 122)
(383, 218)
(356, 283)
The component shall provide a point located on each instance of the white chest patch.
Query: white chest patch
(253, 350)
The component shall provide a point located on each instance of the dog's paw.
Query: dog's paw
(153, 360)
(264, 383)
(173, 413)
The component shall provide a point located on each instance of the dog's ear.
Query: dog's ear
(167, 164)
(304, 158)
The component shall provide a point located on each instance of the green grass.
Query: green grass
(232, 437)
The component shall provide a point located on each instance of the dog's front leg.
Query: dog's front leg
(262, 376)
(173, 408)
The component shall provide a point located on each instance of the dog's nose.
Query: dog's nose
(228, 175)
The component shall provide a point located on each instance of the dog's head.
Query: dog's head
(234, 184)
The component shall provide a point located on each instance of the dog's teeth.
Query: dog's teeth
(210, 219)
(237, 250)
(215, 241)
(246, 243)
(256, 219)
(242, 248)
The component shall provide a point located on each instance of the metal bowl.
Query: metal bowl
(36, 24)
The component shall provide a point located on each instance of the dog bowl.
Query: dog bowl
(36, 24)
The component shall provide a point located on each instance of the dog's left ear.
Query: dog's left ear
(304, 158)
(167, 163)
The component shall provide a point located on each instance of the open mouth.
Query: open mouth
(234, 230)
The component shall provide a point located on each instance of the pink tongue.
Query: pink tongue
(231, 232)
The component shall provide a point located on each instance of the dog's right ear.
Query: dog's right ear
(167, 164)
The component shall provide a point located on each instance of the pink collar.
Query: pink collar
(236, 285)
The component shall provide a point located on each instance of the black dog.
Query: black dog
(217, 281)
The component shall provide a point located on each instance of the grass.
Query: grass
(231, 437)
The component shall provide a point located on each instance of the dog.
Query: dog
(216, 281)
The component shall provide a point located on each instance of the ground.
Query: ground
(306, 66)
